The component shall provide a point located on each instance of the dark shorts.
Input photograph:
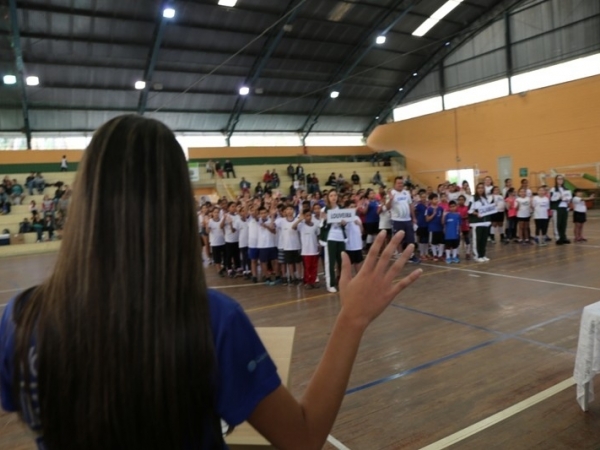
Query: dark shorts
(267, 254)
(498, 217)
(423, 235)
(579, 217)
(356, 256)
(292, 256)
(452, 243)
(388, 231)
(281, 256)
(218, 251)
(253, 254)
(437, 237)
(523, 219)
(371, 228)
(407, 227)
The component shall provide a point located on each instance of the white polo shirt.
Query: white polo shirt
(401, 205)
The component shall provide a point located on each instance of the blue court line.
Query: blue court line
(501, 337)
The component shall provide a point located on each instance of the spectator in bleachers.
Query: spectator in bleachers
(64, 165)
(228, 166)
(38, 226)
(4, 202)
(29, 182)
(245, 186)
(219, 169)
(291, 171)
(340, 180)
(300, 172)
(25, 226)
(258, 190)
(275, 181)
(377, 179)
(315, 183)
(210, 168)
(355, 179)
(33, 208)
(60, 191)
(63, 204)
(331, 181)
(267, 178)
(375, 159)
(17, 193)
(59, 224)
(47, 206)
(39, 183)
(49, 226)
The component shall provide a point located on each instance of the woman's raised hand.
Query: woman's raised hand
(365, 296)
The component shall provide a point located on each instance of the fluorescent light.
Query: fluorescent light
(168, 13)
(425, 27)
(445, 9)
(334, 94)
(415, 74)
(139, 85)
(244, 90)
(401, 89)
(380, 40)
(32, 81)
(10, 79)
(229, 3)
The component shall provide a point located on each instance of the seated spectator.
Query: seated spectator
(47, 206)
(340, 180)
(38, 226)
(377, 180)
(267, 178)
(355, 179)
(228, 166)
(25, 226)
(29, 182)
(4, 202)
(245, 186)
(331, 181)
(17, 193)
(219, 169)
(63, 203)
(275, 181)
(291, 171)
(49, 227)
(258, 190)
(39, 183)
(300, 172)
(210, 168)
(59, 224)
(33, 208)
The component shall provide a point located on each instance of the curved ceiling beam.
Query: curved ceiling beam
(360, 51)
(438, 57)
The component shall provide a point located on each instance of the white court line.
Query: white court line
(515, 278)
(337, 444)
(11, 290)
(499, 417)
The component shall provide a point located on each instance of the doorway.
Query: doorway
(504, 169)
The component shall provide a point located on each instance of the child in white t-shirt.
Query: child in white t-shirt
(243, 228)
(523, 203)
(354, 244)
(216, 237)
(580, 213)
(290, 243)
(309, 229)
(541, 207)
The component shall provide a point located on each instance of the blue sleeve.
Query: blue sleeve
(246, 372)
(7, 348)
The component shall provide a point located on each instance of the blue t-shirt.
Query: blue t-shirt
(435, 224)
(246, 372)
(372, 216)
(420, 211)
(452, 226)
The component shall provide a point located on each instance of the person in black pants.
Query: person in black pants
(228, 166)
(560, 197)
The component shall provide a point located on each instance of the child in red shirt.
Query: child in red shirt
(511, 214)
(465, 227)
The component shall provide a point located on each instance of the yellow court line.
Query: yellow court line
(499, 417)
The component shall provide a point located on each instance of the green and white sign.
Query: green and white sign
(194, 169)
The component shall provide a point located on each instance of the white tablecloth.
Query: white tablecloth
(587, 363)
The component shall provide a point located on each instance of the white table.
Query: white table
(587, 362)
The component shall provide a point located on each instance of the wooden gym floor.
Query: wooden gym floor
(468, 342)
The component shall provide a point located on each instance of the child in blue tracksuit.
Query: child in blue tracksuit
(436, 228)
(451, 221)
(422, 225)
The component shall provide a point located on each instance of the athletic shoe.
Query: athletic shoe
(448, 260)
(468, 256)
(543, 244)
(331, 290)
(547, 239)
(485, 258)
(254, 280)
(559, 242)
(455, 260)
(414, 259)
(566, 241)
(583, 239)
(285, 282)
(537, 241)
(492, 241)
(435, 259)
(276, 282)
(479, 260)
(309, 286)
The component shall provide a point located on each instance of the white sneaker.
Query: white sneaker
(485, 258)
(479, 260)
(332, 290)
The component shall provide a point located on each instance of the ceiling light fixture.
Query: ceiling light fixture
(168, 13)
(380, 40)
(334, 94)
(415, 74)
(432, 21)
(9, 79)
(32, 81)
(401, 89)
(139, 85)
(228, 3)
(244, 90)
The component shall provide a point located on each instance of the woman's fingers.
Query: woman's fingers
(394, 270)
(388, 252)
(346, 272)
(373, 255)
(406, 281)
